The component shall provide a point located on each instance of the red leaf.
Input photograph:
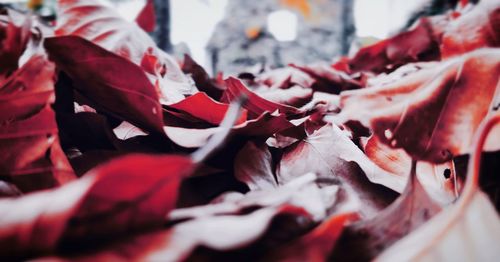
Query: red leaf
(317, 244)
(104, 27)
(205, 108)
(417, 44)
(146, 19)
(246, 221)
(110, 82)
(255, 105)
(263, 126)
(446, 102)
(180, 243)
(125, 195)
(469, 228)
(29, 145)
(203, 81)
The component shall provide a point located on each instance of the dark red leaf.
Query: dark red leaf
(203, 81)
(180, 243)
(112, 83)
(87, 131)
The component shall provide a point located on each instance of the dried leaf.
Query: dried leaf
(32, 158)
(467, 230)
(110, 82)
(472, 30)
(144, 191)
(446, 103)
(204, 108)
(146, 18)
(255, 105)
(254, 167)
(103, 26)
(330, 154)
(369, 237)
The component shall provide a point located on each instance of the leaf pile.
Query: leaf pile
(112, 150)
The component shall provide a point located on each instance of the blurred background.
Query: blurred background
(233, 36)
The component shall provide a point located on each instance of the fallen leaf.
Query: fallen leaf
(103, 26)
(293, 96)
(255, 104)
(83, 213)
(32, 158)
(418, 44)
(439, 180)
(202, 80)
(446, 103)
(203, 107)
(263, 126)
(317, 244)
(254, 167)
(365, 239)
(146, 18)
(334, 158)
(328, 79)
(109, 81)
(284, 78)
(466, 230)
(472, 30)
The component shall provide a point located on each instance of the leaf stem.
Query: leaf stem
(216, 141)
(474, 166)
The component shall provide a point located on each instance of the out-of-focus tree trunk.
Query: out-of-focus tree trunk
(162, 31)
(348, 30)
